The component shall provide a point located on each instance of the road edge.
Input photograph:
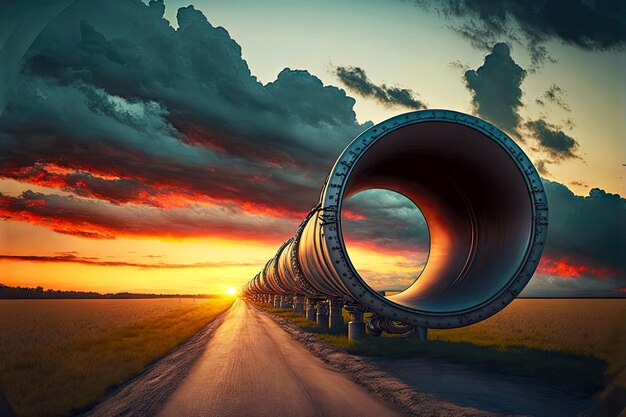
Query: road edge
(145, 394)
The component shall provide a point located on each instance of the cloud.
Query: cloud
(579, 183)
(97, 262)
(356, 80)
(557, 286)
(554, 141)
(112, 103)
(496, 88)
(598, 25)
(555, 95)
(542, 168)
(385, 221)
(567, 267)
(458, 65)
(587, 234)
(388, 281)
(102, 220)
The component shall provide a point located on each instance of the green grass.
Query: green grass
(65, 374)
(582, 372)
(295, 318)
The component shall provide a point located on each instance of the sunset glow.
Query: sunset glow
(174, 156)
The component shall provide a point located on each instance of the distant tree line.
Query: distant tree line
(7, 292)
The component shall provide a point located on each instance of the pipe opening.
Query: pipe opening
(475, 200)
(386, 238)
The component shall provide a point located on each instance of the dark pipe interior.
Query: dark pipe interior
(475, 201)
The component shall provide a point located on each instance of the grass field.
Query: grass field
(575, 341)
(61, 355)
(585, 327)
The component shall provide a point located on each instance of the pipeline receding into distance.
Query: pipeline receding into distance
(482, 199)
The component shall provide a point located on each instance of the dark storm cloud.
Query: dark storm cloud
(497, 96)
(136, 110)
(590, 25)
(20, 23)
(552, 140)
(355, 79)
(587, 232)
(496, 88)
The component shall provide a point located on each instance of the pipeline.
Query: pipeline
(486, 212)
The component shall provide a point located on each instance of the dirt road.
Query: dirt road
(252, 367)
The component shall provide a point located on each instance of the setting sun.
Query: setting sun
(231, 291)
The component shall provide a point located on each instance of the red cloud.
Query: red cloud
(352, 215)
(567, 267)
(102, 220)
(124, 177)
(150, 191)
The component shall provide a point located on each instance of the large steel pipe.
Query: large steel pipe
(482, 199)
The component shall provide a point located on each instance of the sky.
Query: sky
(156, 147)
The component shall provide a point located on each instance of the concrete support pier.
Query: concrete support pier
(419, 335)
(322, 315)
(356, 327)
(311, 311)
(275, 302)
(281, 302)
(335, 321)
(298, 304)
